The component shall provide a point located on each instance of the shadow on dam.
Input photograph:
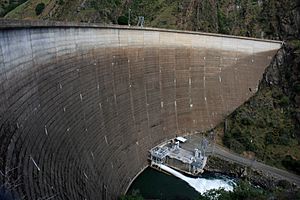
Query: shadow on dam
(81, 104)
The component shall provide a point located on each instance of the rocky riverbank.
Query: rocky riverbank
(256, 177)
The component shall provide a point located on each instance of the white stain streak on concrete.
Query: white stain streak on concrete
(85, 175)
(105, 139)
(46, 131)
(35, 163)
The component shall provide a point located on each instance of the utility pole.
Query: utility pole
(129, 16)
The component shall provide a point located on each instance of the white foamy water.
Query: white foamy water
(201, 184)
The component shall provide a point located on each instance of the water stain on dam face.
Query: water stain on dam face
(81, 106)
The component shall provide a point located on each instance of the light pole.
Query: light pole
(129, 16)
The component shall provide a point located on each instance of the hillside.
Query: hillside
(267, 126)
(268, 18)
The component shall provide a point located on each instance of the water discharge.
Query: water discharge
(202, 184)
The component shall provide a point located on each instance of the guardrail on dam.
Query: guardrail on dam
(81, 104)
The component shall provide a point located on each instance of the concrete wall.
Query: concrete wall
(80, 105)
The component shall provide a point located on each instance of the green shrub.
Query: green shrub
(284, 101)
(123, 20)
(284, 140)
(236, 131)
(291, 164)
(246, 120)
(60, 2)
(270, 138)
(236, 146)
(260, 122)
(284, 184)
(271, 122)
(223, 23)
(277, 94)
(250, 145)
(39, 8)
(295, 43)
(94, 5)
(297, 88)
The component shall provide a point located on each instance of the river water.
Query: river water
(153, 184)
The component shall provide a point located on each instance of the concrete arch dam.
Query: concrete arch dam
(82, 104)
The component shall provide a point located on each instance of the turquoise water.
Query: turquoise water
(153, 184)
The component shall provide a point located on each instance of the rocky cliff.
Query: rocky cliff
(268, 124)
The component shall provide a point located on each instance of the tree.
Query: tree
(123, 20)
(39, 8)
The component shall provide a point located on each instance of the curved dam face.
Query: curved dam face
(81, 105)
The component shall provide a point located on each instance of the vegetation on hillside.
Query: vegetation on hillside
(268, 124)
(8, 5)
(245, 191)
(242, 191)
(33, 9)
(262, 122)
(254, 18)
